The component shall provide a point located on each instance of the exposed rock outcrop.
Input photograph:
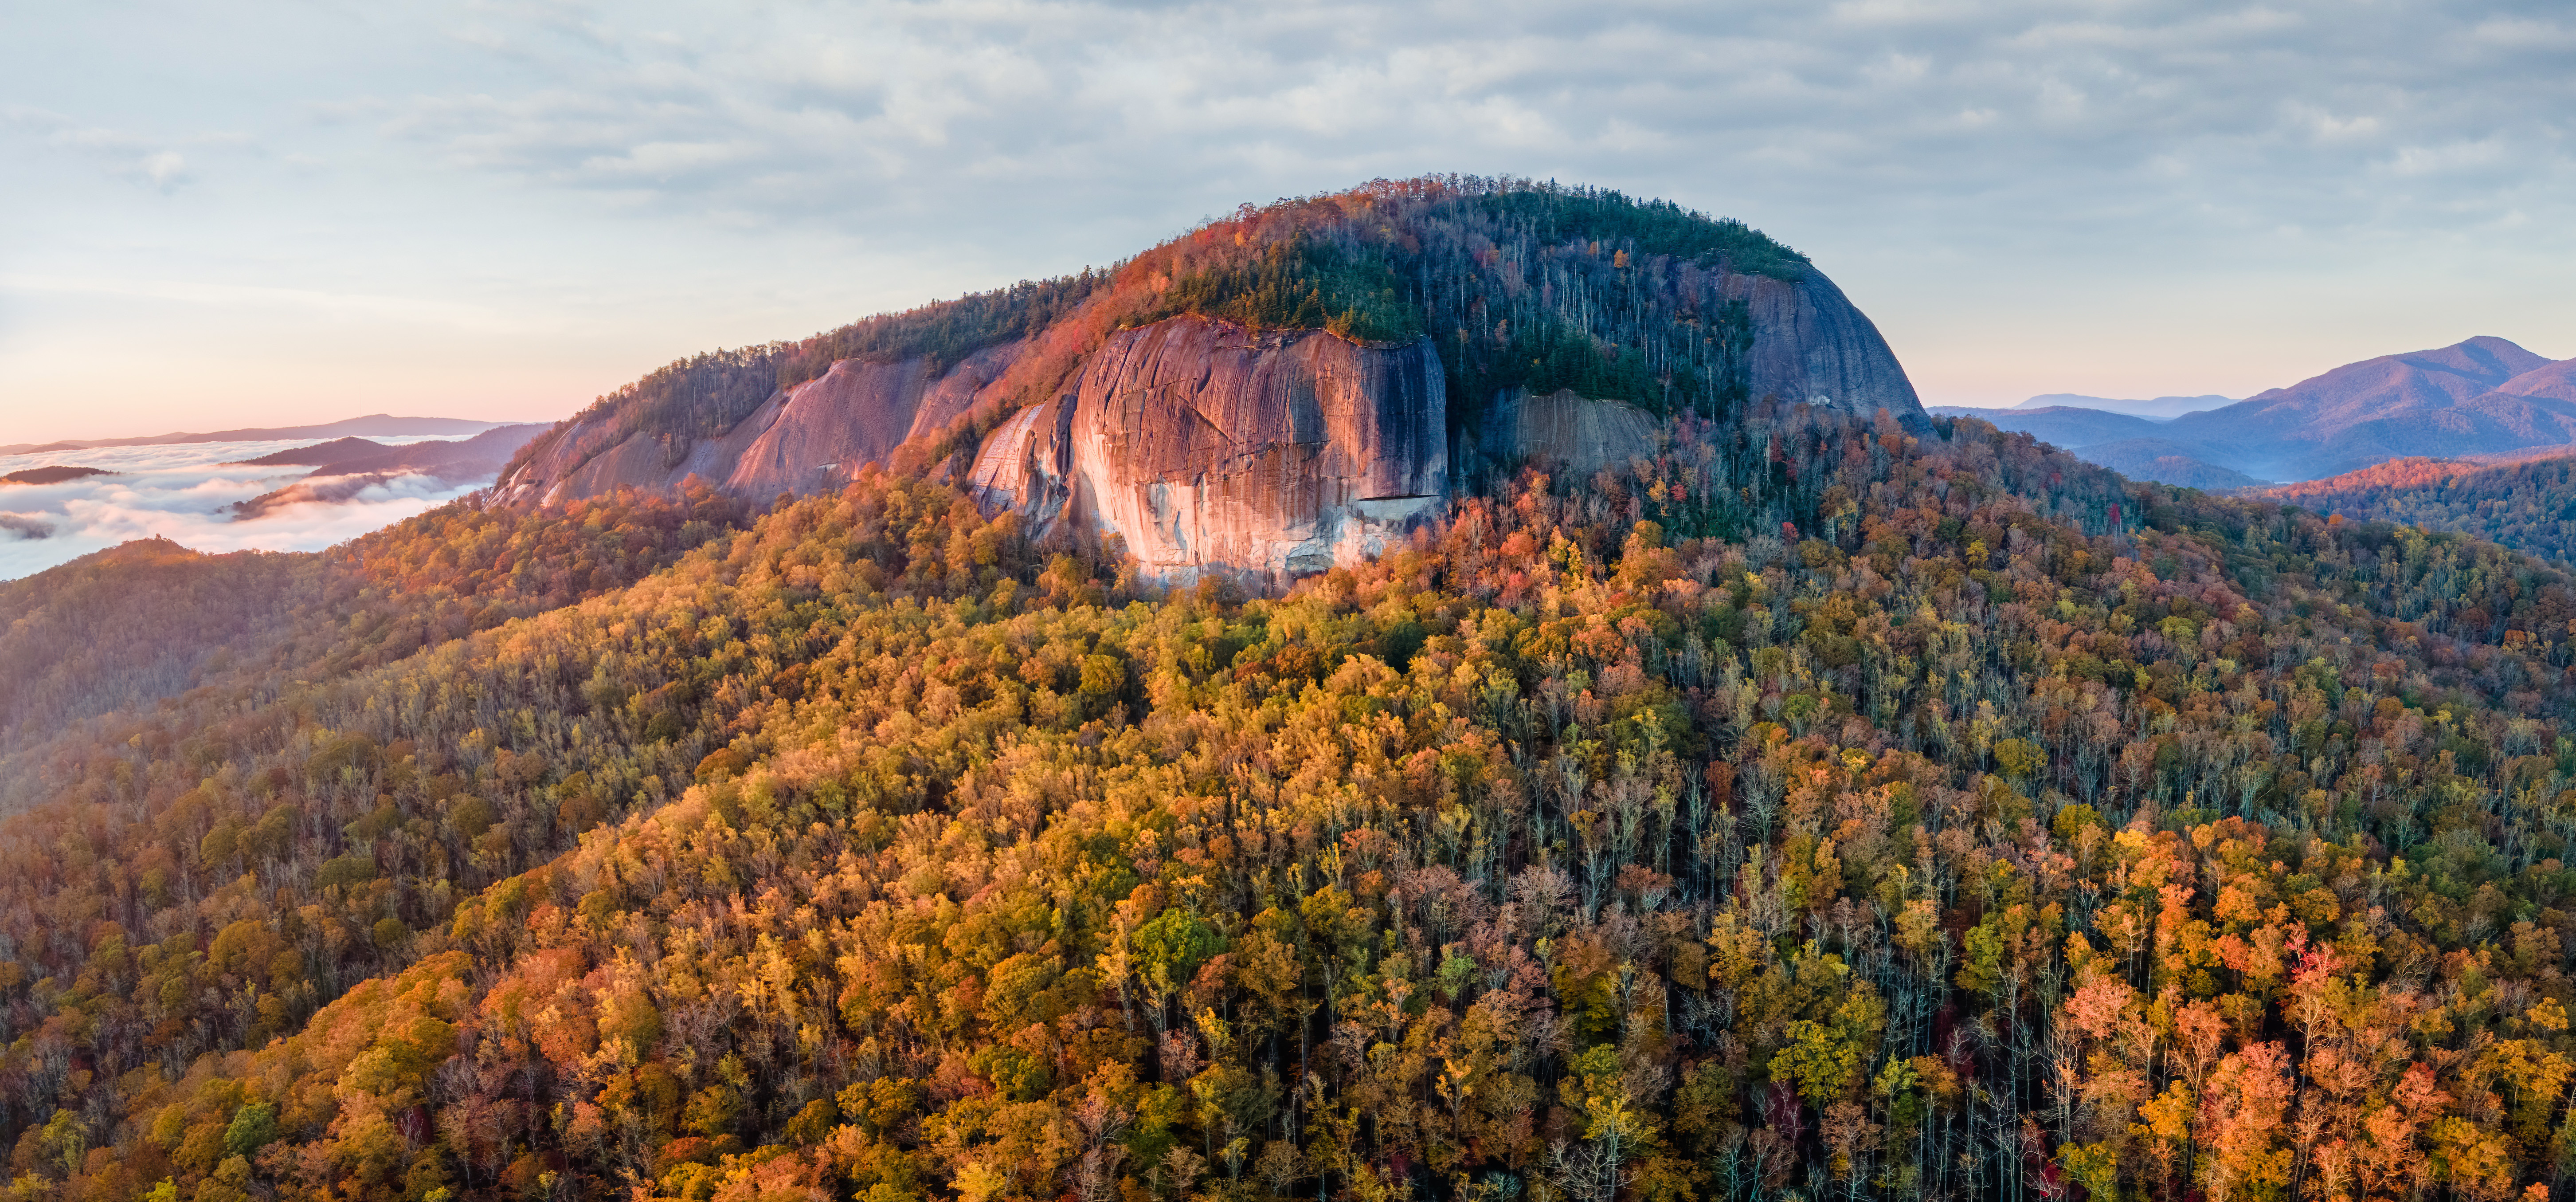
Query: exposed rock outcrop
(1812, 346)
(803, 439)
(1207, 447)
(1566, 433)
(1204, 446)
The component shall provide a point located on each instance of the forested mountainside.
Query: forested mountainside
(2529, 506)
(131, 627)
(1809, 808)
(1509, 288)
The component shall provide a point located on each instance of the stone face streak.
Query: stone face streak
(857, 413)
(1204, 447)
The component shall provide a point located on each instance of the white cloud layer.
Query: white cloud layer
(184, 493)
(526, 203)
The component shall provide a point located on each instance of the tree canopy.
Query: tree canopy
(1812, 808)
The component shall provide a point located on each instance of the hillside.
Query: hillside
(52, 474)
(1810, 805)
(2528, 505)
(139, 624)
(862, 847)
(2549, 381)
(2132, 446)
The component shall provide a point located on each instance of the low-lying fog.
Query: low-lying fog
(185, 492)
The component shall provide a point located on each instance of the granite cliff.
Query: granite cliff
(1277, 393)
(1812, 345)
(1203, 445)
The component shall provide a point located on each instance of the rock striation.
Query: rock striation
(1205, 447)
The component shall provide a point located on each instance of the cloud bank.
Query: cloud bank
(185, 493)
(2139, 116)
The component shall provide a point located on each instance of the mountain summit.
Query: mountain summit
(2483, 396)
(1278, 391)
(2453, 400)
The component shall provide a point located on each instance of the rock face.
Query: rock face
(1811, 345)
(1562, 432)
(804, 439)
(1208, 448)
(1205, 447)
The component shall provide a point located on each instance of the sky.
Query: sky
(286, 211)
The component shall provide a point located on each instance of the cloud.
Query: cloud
(847, 115)
(123, 154)
(165, 168)
(185, 493)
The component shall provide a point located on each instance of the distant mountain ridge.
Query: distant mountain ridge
(2453, 400)
(2064, 425)
(377, 424)
(2162, 407)
(2165, 461)
(318, 453)
(2481, 397)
